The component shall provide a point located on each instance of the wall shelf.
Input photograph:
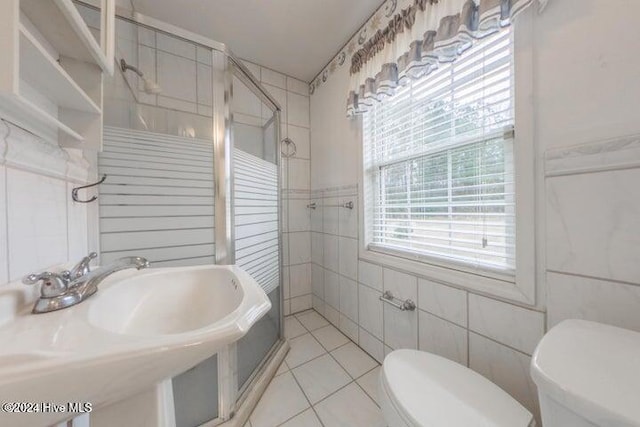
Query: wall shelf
(62, 25)
(23, 109)
(51, 69)
(44, 74)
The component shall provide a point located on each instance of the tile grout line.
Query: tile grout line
(353, 380)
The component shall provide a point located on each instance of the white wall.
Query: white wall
(585, 89)
(40, 226)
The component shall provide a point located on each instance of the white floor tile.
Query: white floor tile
(321, 377)
(330, 337)
(306, 419)
(281, 400)
(282, 369)
(303, 349)
(369, 383)
(349, 407)
(312, 320)
(354, 360)
(293, 328)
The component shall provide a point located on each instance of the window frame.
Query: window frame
(519, 287)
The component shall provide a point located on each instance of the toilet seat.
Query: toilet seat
(420, 389)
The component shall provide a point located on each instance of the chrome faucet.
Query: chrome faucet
(62, 290)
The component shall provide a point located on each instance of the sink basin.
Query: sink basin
(140, 328)
(165, 303)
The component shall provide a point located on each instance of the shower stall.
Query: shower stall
(192, 158)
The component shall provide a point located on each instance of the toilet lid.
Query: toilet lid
(429, 390)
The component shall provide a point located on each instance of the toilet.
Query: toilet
(420, 389)
(588, 375)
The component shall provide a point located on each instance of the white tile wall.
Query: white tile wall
(37, 222)
(349, 298)
(575, 297)
(517, 327)
(443, 301)
(508, 368)
(444, 338)
(40, 226)
(348, 257)
(370, 311)
(593, 224)
(400, 327)
(301, 247)
(370, 275)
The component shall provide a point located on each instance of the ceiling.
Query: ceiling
(295, 37)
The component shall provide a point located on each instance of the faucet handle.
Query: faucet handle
(53, 284)
(82, 268)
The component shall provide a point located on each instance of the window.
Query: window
(439, 164)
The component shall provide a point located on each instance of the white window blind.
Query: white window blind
(438, 160)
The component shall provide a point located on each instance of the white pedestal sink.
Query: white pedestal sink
(140, 328)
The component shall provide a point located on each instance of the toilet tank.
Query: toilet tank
(588, 374)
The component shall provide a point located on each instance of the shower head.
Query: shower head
(150, 86)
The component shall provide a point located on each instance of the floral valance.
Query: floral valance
(417, 38)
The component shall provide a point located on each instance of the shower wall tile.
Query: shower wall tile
(331, 219)
(301, 303)
(332, 289)
(348, 254)
(300, 136)
(331, 253)
(300, 280)
(176, 46)
(297, 86)
(298, 107)
(280, 96)
(173, 76)
(349, 298)
(348, 218)
(299, 174)
(305, 249)
(253, 68)
(286, 289)
(204, 55)
(299, 219)
(177, 104)
(273, 78)
(300, 247)
(146, 37)
(204, 88)
(317, 243)
(317, 281)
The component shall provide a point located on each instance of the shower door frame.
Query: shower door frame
(225, 65)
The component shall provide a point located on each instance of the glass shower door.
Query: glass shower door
(255, 131)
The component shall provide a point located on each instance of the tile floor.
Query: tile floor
(325, 380)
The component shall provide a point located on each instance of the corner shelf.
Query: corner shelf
(22, 107)
(51, 69)
(62, 25)
(44, 74)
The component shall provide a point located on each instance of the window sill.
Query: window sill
(491, 284)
